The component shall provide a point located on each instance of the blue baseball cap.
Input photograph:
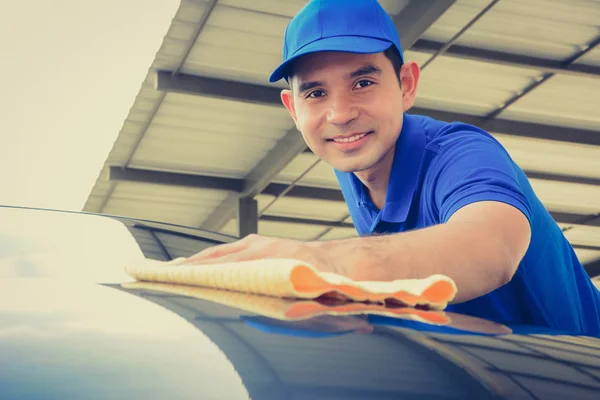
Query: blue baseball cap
(353, 26)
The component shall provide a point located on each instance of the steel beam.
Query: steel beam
(164, 81)
(257, 180)
(593, 268)
(237, 91)
(517, 128)
(306, 221)
(117, 174)
(576, 219)
(305, 192)
(547, 176)
(508, 59)
(247, 216)
(417, 17)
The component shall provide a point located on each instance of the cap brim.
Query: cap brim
(347, 44)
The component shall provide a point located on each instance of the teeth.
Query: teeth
(350, 139)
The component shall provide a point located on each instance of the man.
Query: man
(427, 197)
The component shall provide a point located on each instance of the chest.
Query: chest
(422, 211)
(421, 215)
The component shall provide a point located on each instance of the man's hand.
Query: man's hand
(480, 248)
(256, 247)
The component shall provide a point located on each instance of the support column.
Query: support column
(247, 216)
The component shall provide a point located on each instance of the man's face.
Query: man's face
(349, 107)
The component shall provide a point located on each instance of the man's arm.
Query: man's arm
(480, 248)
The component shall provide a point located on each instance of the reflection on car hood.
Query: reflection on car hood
(68, 340)
(94, 341)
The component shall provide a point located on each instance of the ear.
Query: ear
(409, 76)
(287, 98)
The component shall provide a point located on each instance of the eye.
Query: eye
(315, 94)
(363, 83)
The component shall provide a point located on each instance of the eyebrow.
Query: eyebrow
(364, 70)
(304, 86)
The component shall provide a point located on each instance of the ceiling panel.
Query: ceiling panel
(177, 205)
(591, 58)
(568, 197)
(321, 175)
(563, 100)
(553, 156)
(584, 235)
(466, 86)
(285, 8)
(587, 256)
(238, 44)
(304, 208)
(212, 136)
(552, 29)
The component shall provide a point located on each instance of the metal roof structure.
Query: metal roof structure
(527, 72)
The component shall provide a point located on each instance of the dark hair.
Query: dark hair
(391, 53)
(394, 56)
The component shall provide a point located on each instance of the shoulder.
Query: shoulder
(452, 140)
(442, 135)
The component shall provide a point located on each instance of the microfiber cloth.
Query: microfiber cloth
(289, 278)
(290, 309)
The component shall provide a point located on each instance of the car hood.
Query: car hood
(68, 339)
(61, 339)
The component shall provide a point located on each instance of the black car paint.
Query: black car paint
(104, 341)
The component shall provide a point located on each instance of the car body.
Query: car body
(74, 325)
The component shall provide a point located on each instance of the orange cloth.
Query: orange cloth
(288, 309)
(288, 278)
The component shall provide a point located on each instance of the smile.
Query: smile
(350, 143)
(350, 139)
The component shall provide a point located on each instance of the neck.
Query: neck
(376, 179)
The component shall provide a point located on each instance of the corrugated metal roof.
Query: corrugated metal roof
(192, 134)
(585, 235)
(568, 197)
(303, 208)
(320, 176)
(178, 205)
(570, 101)
(553, 156)
(587, 256)
(552, 29)
(591, 58)
(467, 86)
(241, 42)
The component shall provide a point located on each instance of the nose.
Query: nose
(341, 110)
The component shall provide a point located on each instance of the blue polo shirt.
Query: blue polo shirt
(440, 167)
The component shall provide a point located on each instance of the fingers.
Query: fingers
(176, 261)
(244, 255)
(213, 253)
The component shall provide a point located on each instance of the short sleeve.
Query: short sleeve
(473, 167)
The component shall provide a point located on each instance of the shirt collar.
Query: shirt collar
(403, 177)
(405, 170)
